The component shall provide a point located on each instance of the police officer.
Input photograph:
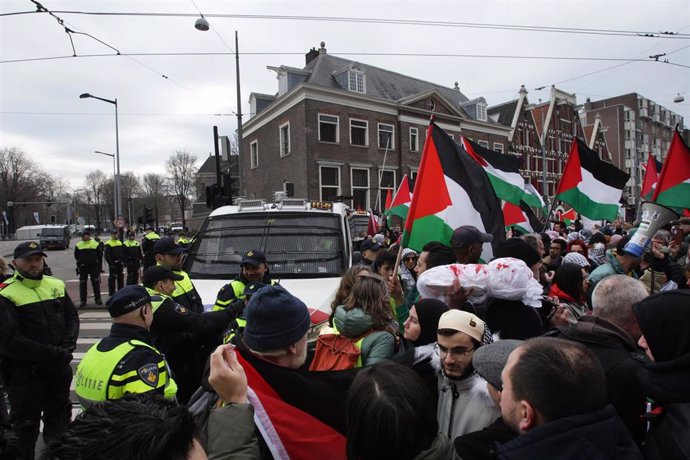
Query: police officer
(88, 254)
(133, 258)
(169, 255)
(125, 361)
(148, 242)
(39, 326)
(232, 296)
(182, 239)
(115, 258)
(185, 337)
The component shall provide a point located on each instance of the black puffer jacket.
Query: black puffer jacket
(598, 435)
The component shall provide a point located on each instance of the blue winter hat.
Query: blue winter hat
(127, 299)
(275, 319)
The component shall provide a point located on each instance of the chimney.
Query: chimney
(456, 87)
(322, 50)
(311, 55)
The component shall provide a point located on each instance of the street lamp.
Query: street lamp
(114, 183)
(118, 188)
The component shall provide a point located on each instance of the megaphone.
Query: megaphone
(654, 216)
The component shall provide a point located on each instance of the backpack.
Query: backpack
(335, 352)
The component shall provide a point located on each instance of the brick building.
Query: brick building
(635, 128)
(546, 128)
(338, 128)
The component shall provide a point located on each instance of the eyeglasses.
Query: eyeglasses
(455, 353)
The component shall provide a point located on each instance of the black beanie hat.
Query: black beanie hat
(429, 311)
(517, 248)
(275, 319)
(664, 320)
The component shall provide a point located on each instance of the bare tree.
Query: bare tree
(181, 168)
(131, 188)
(20, 181)
(153, 187)
(96, 187)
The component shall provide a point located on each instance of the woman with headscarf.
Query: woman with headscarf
(420, 327)
(569, 286)
(664, 320)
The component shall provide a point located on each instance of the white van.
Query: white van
(307, 245)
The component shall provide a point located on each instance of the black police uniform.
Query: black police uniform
(148, 242)
(185, 293)
(114, 254)
(133, 261)
(39, 326)
(88, 255)
(186, 339)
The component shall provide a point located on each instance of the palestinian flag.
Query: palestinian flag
(673, 187)
(401, 201)
(521, 218)
(389, 199)
(372, 225)
(503, 171)
(451, 190)
(533, 198)
(569, 216)
(591, 186)
(651, 176)
(300, 414)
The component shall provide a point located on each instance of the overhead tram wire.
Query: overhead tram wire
(391, 21)
(75, 30)
(283, 53)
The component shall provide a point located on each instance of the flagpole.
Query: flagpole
(383, 166)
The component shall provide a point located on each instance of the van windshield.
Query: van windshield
(53, 232)
(296, 244)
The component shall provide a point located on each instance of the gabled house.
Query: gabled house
(344, 130)
(542, 134)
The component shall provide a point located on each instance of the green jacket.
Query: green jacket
(377, 346)
(231, 433)
(611, 267)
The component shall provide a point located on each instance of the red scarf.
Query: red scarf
(555, 291)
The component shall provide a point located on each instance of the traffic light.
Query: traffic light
(229, 189)
(211, 192)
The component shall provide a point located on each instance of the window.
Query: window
(484, 144)
(254, 154)
(386, 136)
(328, 128)
(414, 140)
(356, 81)
(498, 147)
(413, 179)
(360, 188)
(431, 105)
(481, 111)
(284, 139)
(359, 132)
(330, 182)
(386, 181)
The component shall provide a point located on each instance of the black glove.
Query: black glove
(236, 307)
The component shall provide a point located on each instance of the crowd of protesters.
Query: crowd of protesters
(572, 348)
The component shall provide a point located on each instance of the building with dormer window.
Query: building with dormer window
(341, 129)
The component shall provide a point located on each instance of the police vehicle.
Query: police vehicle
(308, 247)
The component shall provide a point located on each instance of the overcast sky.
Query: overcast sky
(40, 110)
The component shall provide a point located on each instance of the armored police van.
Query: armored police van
(308, 247)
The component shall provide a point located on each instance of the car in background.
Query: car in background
(55, 236)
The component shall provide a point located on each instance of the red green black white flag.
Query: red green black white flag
(590, 185)
(451, 190)
(673, 187)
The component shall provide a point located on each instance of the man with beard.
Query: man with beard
(554, 397)
(464, 403)
(169, 255)
(39, 326)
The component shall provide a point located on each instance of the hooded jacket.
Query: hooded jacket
(621, 359)
(464, 405)
(611, 267)
(377, 346)
(664, 320)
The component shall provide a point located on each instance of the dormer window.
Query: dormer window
(356, 80)
(481, 111)
(431, 105)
